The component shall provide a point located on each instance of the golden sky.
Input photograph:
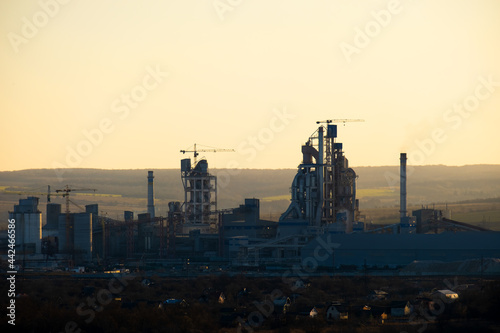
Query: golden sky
(127, 84)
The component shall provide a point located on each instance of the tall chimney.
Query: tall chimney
(151, 195)
(402, 186)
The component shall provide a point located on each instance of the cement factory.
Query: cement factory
(322, 226)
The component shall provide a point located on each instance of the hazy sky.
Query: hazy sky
(127, 84)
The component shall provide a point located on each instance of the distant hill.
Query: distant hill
(432, 184)
(377, 186)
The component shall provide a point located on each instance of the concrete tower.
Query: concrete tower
(151, 195)
(402, 187)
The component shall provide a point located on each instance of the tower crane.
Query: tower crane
(212, 150)
(329, 142)
(65, 193)
(27, 192)
(343, 121)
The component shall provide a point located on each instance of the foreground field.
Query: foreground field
(222, 304)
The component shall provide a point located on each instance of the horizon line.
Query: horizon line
(359, 166)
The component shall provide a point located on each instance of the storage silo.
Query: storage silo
(28, 222)
(83, 235)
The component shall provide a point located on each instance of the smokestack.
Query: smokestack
(151, 195)
(402, 186)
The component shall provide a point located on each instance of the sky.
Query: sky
(128, 84)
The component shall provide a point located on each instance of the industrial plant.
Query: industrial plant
(322, 226)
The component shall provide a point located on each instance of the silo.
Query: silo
(63, 246)
(28, 225)
(53, 211)
(128, 215)
(83, 235)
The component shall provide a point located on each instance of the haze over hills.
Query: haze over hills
(118, 190)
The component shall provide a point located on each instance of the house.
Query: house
(174, 301)
(146, 282)
(363, 311)
(282, 305)
(332, 313)
(222, 298)
(242, 293)
(282, 301)
(300, 284)
(337, 311)
(313, 313)
(401, 309)
(379, 295)
(449, 294)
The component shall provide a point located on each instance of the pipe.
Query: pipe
(402, 186)
(151, 196)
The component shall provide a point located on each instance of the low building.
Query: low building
(449, 294)
(381, 250)
(245, 221)
(401, 309)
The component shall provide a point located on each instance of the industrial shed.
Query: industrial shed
(400, 249)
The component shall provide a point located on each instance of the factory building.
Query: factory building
(128, 215)
(28, 225)
(53, 211)
(323, 210)
(200, 197)
(75, 235)
(323, 200)
(321, 224)
(245, 221)
(50, 231)
(197, 246)
(323, 190)
(93, 209)
(242, 226)
(145, 233)
(83, 235)
(399, 249)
